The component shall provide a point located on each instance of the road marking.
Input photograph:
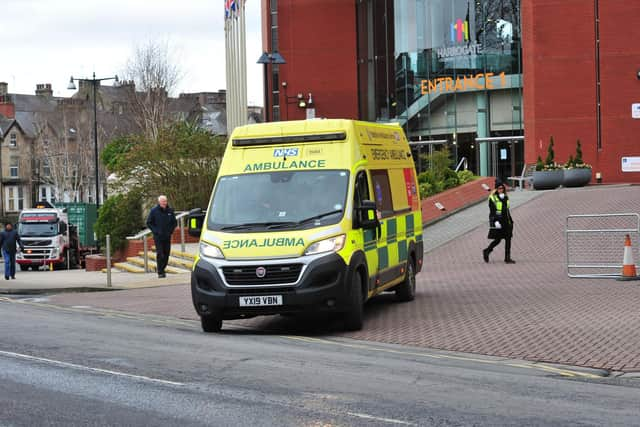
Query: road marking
(88, 368)
(536, 366)
(386, 420)
(185, 322)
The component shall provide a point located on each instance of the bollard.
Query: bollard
(146, 254)
(182, 234)
(108, 260)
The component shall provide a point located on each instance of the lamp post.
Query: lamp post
(266, 59)
(94, 83)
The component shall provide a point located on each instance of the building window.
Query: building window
(46, 168)
(47, 192)
(275, 93)
(13, 139)
(13, 167)
(274, 25)
(14, 198)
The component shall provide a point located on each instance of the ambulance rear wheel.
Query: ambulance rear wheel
(406, 291)
(354, 319)
(211, 323)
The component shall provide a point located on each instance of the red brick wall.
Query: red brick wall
(560, 81)
(95, 262)
(317, 38)
(134, 247)
(455, 199)
(619, 64)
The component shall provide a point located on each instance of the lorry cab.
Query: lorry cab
(317, 215)
(46, 235)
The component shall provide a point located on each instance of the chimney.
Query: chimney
(7, 107)
(44, 90)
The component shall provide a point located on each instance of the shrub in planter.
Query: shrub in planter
(120, 216)
(576, 172)
(465, 176)
(547, 175)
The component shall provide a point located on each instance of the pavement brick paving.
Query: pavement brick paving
(530, 310)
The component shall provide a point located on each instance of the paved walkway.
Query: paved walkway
(32, 282)
(530, 310)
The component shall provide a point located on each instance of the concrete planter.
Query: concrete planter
(548, 180)
(577, 177)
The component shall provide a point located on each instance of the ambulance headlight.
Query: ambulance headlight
(210, 251)
(54, 253)
(333, 244)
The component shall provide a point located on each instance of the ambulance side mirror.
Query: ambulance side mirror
(367, 215)
(195, 221)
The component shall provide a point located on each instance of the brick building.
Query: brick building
(491, 79)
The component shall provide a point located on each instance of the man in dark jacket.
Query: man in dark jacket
(9, 239)
(162, 221)
(500, 223)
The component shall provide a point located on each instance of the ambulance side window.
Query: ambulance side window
(362, 189)
(382, 192)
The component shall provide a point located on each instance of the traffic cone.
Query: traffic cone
(628, 266)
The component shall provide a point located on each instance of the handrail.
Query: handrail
(142, 236)
(466, 164)
(146, 231)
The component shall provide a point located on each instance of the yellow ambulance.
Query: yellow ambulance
(316, 215)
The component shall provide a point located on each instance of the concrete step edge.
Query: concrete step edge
(139, 262)
(173, 262)
(186, 256)
(129, 268)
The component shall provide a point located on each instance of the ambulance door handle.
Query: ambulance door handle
(378, 230)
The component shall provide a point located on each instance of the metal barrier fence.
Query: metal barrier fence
(595, 243)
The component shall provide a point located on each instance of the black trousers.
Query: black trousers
(163, 249)
(507, 246)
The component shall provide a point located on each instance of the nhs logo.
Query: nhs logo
(285, 152)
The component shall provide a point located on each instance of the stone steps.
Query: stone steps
(179, 262)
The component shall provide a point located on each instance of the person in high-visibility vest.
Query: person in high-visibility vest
(500, 223)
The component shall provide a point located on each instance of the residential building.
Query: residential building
(47, 146)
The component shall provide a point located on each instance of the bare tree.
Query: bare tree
(155, 74)
(64, 152)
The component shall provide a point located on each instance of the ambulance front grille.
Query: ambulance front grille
(273, 274)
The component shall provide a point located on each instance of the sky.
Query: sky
(47, 41)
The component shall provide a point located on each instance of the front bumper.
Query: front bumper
(320, 287)
(38, 256)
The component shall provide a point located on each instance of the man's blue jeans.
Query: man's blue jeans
(9, 264)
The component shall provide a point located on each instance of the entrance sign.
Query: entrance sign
(635, 111)
(463, 83)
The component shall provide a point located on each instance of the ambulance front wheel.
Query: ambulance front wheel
(354, 319)
(24, 267)
(406, 291)
(211, 323)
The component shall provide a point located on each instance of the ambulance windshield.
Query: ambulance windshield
(278, 200)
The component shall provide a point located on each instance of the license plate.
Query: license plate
(261, 301)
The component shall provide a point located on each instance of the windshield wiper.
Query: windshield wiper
(304, 221)
(322, 215)
(255, 224)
